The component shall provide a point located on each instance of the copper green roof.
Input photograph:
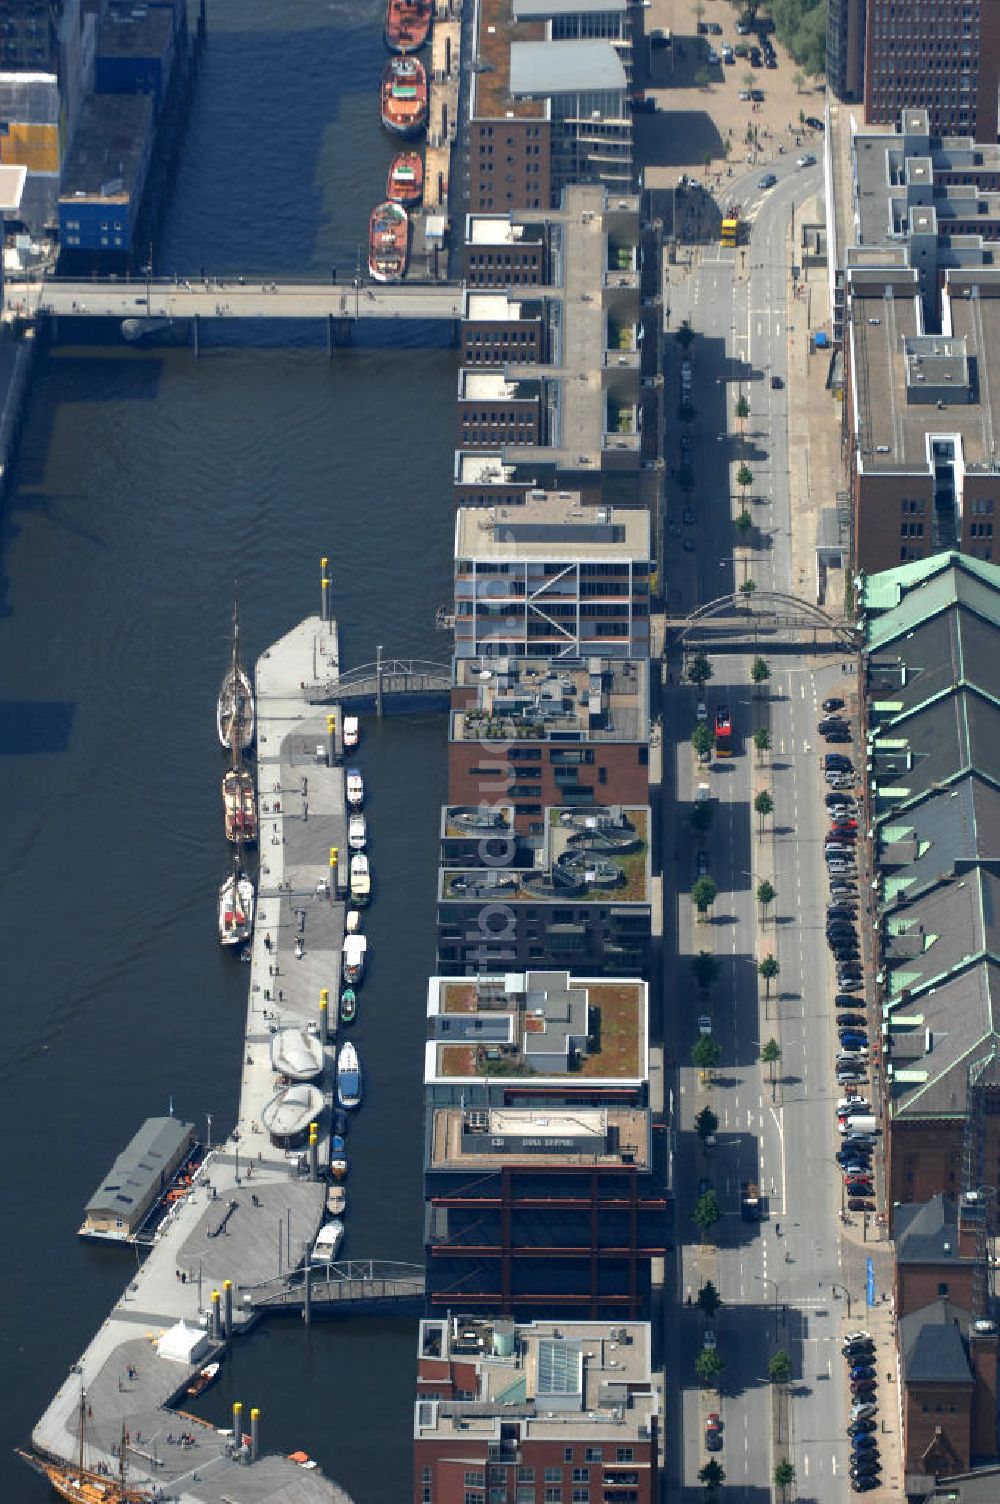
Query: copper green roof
(897, 600)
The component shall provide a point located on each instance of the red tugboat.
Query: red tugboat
(407, 23)
(404, 96)
(406, 178)
(388, 242)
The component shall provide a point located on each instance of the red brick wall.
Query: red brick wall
(880, 516)
(917, 1286)
(923, 1159)
(932, 1408)
(517, 423)
(508, 165)
(984, 1398)
(472, 765)
(450, 1457)
(511, 342)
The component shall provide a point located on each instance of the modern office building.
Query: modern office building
(921, 414)
(553, 579)
(576, 892)
(578, 339)
(845, 48)
(549, 101)
(526, 1411)
(943, 58)
(573, 732)
(544, 1181)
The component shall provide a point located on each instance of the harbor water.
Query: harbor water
(150, 485)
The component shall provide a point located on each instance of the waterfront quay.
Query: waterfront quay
(256, 1205)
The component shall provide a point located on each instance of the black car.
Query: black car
(837, 762)
(845, 1000)
(851, 1021)
(862, 1427)
(833, 703)
(863, 1483)
(866, 1466)
(776, 383)
(837, 800)
(837, 738)
(703, 28)
(757, 95)
(770, 61)
(815, 122)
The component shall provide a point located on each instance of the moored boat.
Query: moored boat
(234, 709)
(406, 181)
(407, 23)
(336, 1200)
(388, 244)
(328, 1242)
(201, 1381)
(361, 880)
(352, 924)
(354, 953)
(236, 900)
(404, 96)
(338, 1157)
(239, 802)
(348, 1005)
(357, 833)
(348, 1077)
(355, 789)
(352, 732)
(88, 1485)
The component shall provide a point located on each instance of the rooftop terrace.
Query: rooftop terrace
(489, 1137)
(581, 700)
(557, 526)
(540, 1024)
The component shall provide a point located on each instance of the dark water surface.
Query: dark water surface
(148, 482)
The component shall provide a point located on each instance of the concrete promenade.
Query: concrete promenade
(166, 299)
(251, 1214)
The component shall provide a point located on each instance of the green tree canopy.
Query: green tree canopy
(748, 589)
(713, 1474)
(742, 408)
(744, 523)
(744, 477)
(703, 894)
(699, 669)
(765, 893)
(762, 740)
(706, 1123)
(703, 740)
(685, 335)
(768, 969)
(779, 1368)
(784, 1475)
(706, 1052)
(709, 1299)
(763, 806)
(706, 968)
(760, 670)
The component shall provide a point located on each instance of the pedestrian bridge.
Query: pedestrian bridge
(785, 620)
(390, 686)
(348, 1287)
(233, 299)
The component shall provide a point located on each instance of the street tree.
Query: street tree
(685, 335)
(763, 806)
(710, 1366)
(765, 896)
(744, 476)
(706, 969)
(748, 590)
(706, 1123)
(699, 670)
(762, 741)
(744, 523)
(768, 969)
(713, 1474)
(760, 671)
(779, 1368)
(703, 895)
(706, 1053)
(706, 1213)
(703, 740)
(709, 1299)
(784, 1476)
(742, 409)
(770, 1055)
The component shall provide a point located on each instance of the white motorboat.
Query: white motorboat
(327, 1244)
(357, 833)
(336, 1200)
(355, 947)
(361, 880)
(348, 1077)
(296, 1054)
(352, 732)
(236, 899)
(355, 789)
(352, 922)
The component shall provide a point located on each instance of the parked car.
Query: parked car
(713, 57)
(767, 181)
(808, 160)
(864, 1484)
(864, 1411)
(757, 95)
(814, 122)
(687, 518)
(850, 1020)
(701, 861)
(862, 1345)
(776, 383)
(713, 1439)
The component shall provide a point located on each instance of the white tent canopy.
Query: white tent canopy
(183, 1344)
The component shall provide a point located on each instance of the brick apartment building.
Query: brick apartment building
(528, 1411)
(576, 732)
(944, 59)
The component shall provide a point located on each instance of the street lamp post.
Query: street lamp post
(835, 1287)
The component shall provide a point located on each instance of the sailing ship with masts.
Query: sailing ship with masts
(236, 901)
(235, 713)
(81, 1484)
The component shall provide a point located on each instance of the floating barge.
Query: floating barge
(151, 1172)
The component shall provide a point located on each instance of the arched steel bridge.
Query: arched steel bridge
(340, 1287)
(389, 686)
(765, 613)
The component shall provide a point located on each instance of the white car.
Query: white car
(708, 1341)
(704, 1024)
(702, 711)
(807, 161)
(713, 57)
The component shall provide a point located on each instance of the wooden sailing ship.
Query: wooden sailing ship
(235, 713)
(80, 1484)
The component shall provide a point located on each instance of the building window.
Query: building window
(553, 1475)
(475, 1480)
(568, 1454)
(581, 1475)
(553, 1495)
(526, 1475)
(625, 1454)
(595, 1454)
(943, 1287)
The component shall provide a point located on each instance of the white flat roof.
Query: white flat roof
(541, 68)
(11, 188)
(492, 384)
(492, 229)
(495, 306)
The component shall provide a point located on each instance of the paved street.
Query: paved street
(783, 1282)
